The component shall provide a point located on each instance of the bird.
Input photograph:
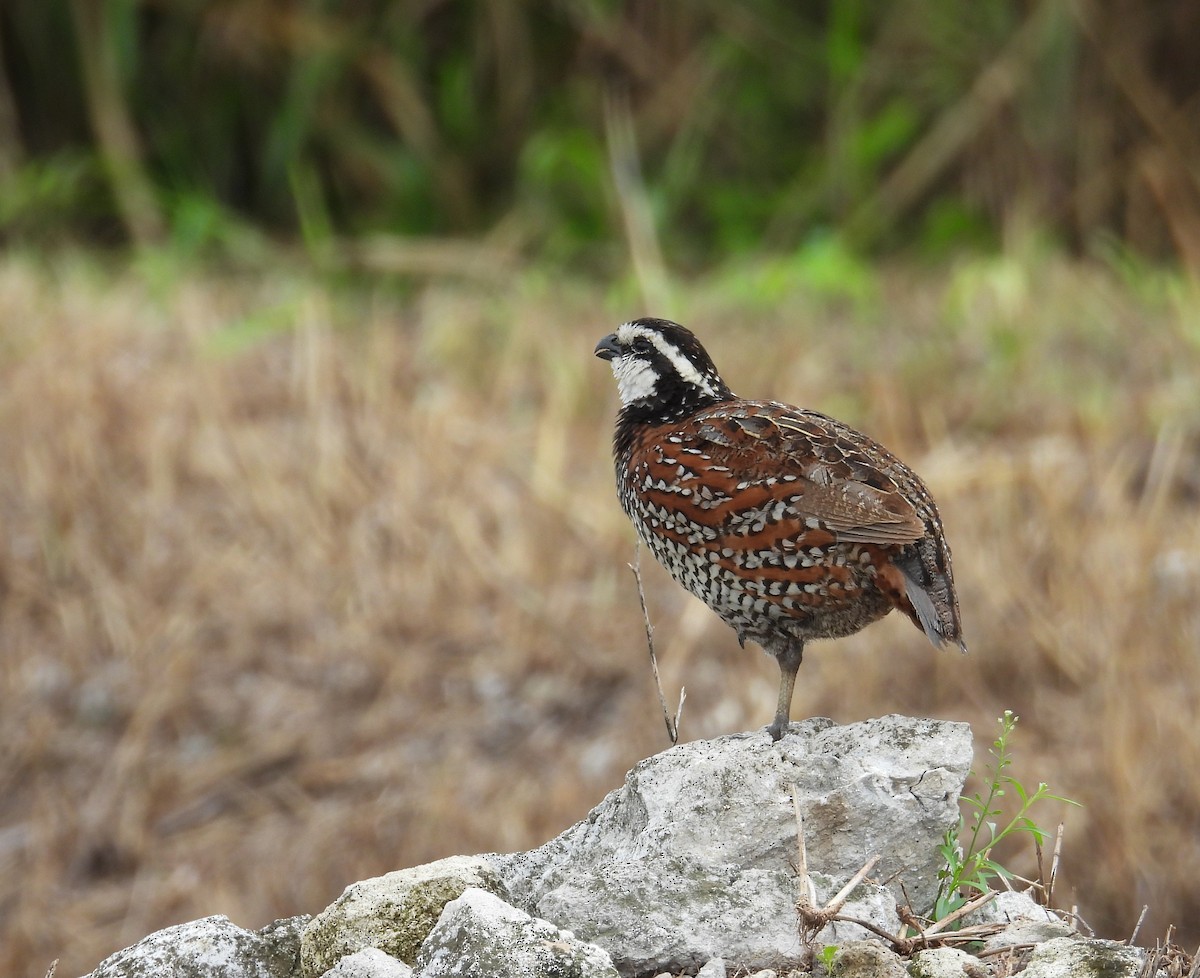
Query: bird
(790, 525)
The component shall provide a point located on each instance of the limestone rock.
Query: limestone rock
(690, 866)
(1027, 922)
(393, 913)
(478, 935)
(866, 959)
(1065, 957)
(694, 857)
(945, 962)
(1011, 906)
(212, 947)
(370, 962)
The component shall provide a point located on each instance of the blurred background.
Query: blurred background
(311, 565)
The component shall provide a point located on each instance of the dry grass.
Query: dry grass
(300, 585)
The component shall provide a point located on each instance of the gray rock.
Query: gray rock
(694, 857)
(1040, 926)
(1065, 957)
(714, 968)
(370, 962)
(393, 913)
(945, 962)
(1010, 907)
(480, 936)
(866, 959)
(212, 947)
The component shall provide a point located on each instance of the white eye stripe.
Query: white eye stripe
(628, 332)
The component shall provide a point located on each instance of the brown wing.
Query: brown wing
(800, 466)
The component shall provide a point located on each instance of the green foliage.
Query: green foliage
(757, 126)
(828, 953)
(41, 196)
(560, 179)
(970, 868)
(823, 266)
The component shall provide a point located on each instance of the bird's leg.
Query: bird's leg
(789, 659)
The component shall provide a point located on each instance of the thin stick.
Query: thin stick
(671, 722)
(972, 933)
(1195, 964)
(808, 891)
(1041, 876)
(1073, 913)
(835, 905)
(908, 917)
(899, 943)
(1058, 844)
(991, 952)
(962, 911)
(1138, 926)
(814, 919)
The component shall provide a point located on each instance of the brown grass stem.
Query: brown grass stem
(672, 722)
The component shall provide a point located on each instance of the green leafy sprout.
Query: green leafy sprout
(970, 869)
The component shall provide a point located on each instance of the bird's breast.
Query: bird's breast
(745, 548)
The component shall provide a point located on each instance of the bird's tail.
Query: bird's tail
(929, 588)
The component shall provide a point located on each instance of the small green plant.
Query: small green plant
(970, 868)
(826, 955)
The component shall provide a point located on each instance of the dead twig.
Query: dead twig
(813, 918)
(1138, 926)
(808, 892)
(1058, 843)
(1041, 874)
(901, 945)
(958, 914)
(1006, 949)
(672, 722)
(1073, 918)
(842, 895)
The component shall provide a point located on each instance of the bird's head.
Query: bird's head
(662, 370)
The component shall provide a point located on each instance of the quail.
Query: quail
(790, 525)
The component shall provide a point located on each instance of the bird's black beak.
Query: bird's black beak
(608, 348)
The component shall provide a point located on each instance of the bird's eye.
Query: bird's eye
(641, 346)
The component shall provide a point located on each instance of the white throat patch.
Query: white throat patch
(628, 332)
(636, 379)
